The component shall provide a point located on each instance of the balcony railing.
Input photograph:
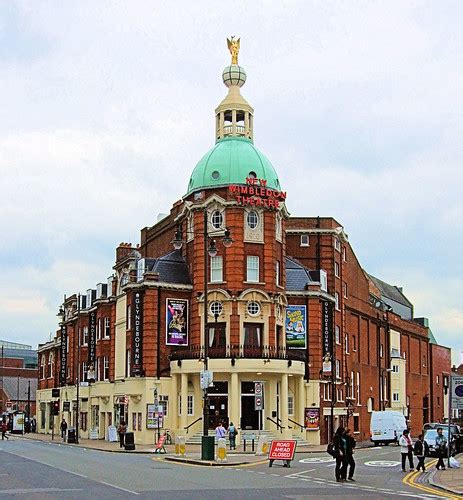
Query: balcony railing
(237, 351)
(239, 130)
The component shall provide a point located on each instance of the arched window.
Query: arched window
(42, 367)
(253, 219)
(50, 365)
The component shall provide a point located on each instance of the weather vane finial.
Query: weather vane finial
(234, 48)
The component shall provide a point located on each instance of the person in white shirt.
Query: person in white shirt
(406, 449)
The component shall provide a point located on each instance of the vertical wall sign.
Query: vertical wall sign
(327, 335)
(137, 334)
(296, 327)
(177, 322)
(63, 355)
(92, 339)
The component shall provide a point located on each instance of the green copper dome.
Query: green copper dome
(230, 161)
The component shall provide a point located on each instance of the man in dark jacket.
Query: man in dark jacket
(349, 457)
(421, 450)
(339, 442)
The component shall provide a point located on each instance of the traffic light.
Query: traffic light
(56, 407)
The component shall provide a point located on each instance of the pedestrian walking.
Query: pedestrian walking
(421, 450)
(349, 461)
(33, 424)
(122, 429)
(232, 433)
(220, 431)
(4, 429)
(441, 446)
(64, 428)
(340, 444)
(406, 449)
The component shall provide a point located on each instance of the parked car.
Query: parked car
(430, 437)
(455, 432)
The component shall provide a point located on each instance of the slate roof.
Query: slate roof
(297, 276)
(391, 292)
(171, 267)
(10, 387)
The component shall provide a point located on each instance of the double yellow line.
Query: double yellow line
(409, 480)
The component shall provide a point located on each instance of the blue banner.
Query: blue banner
(296, 327)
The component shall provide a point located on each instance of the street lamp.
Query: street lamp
(210, 250)
(383, 399)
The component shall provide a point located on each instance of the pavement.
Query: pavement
(449, 479)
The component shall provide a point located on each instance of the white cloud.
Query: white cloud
(107, 106)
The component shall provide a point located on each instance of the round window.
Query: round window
(253, 308)
(216, 308)
(215, 174)
(217, 219)
(253, 219)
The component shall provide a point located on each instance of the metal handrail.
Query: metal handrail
(276, 423)
(296, 423)
(236, 351)
(279, 420)
(187, 428)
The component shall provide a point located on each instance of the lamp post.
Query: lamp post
(210, 250)
(383, 399)
(447, 391)
(78, 368)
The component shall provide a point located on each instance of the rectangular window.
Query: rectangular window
(164, 402)
(327, 392)
(128, 322)
(340, 395)
(337, 334)
(336, 301)
(356, 423)
(216, 269)
(338, 369)
(344, 290)
(336, 269)
(337, 244)
(127, 363)
(106, 368)
(358, 388)
(305, 241)
(344, 257)
(277, 273)
(437, 379)
(290, 405)
(107, 327)
(395, 368)
(252, 267)
(347, 344)
(395, 397)
(354, 343)
(190, 405)
(85, 335)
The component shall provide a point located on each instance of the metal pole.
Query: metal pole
(449, 419)
(206, 340)
(78, 367)
(1, 409)
(29, 404)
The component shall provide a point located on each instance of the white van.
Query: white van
(386, 426)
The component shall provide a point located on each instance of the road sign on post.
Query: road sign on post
(457, 392)
(258, 395)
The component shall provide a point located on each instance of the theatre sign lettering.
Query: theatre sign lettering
(256, 193)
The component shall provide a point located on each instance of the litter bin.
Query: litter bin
(71, 435)
(129, 443)
(207, 448)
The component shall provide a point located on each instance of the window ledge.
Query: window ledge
(216, 282)
(254, 282)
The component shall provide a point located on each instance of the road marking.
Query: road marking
(75, 473)
(118, 487)
(409, 480)
(316, 460)
(382, 463)
(23, 491)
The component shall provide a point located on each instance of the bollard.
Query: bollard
(177, 445)
(181, 446)
(221, 450)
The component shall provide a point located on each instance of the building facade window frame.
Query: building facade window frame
(216, 267)
(252, 268)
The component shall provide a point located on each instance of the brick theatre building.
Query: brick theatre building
(288, 305)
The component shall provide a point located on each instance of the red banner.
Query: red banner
(282, 449)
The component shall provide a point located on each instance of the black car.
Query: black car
(430, 436)
(455, 432)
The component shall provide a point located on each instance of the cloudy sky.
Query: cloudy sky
(107, 106)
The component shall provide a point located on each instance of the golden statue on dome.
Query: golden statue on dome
(234, 48)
